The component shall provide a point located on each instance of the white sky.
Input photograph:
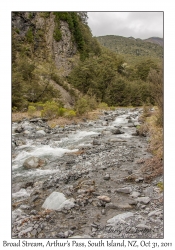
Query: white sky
(137, 24)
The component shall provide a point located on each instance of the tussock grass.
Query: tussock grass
(153, 167)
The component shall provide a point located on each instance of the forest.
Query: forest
(97, 72)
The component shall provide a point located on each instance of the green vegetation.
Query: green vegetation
(27, 86)
(156, 84)
(29, 35)
(102, 105)
(80, 31)
(161, 186)
(31, 110)
(45, 14)
(70, 114)
(110, 81)
(51, 110)
(99, 78)
(134, 48)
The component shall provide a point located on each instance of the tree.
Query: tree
(144, 67)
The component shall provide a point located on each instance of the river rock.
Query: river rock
(105, 123)
(137, 124)
(96, 142)
(143, 226)
(111, 206)
(152, 213)
(80, 237)
(143, 200)
(27, 230)
(16, 213)
(104, 198)
(126, 190)
(33, 162)
(19, 142)
(25, 207)
(26, 132)
(116, 140)
(58, 201)
(148, 191)
(116, 131)
(120, 217)
(19, 129)
(40, 133)
(106, 177)
(124, 205)
(26, 126)
(135, 194)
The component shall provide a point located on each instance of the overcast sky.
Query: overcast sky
(137, 24)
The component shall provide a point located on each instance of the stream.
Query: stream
(70, 182)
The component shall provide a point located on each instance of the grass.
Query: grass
(161, 186)
(61, 121)
(156, 137)
(153, 166)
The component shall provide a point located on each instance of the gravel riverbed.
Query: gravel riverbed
(73, 181)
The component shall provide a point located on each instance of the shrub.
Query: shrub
(143, 129)
(29, 35)
(17, 31)
(14, 109)
(57, 34)
(45, 14)
(112, 108)
(30, 15)
(82, 106)
(31, 110)
(39, 106)
(51, 110)
(70, 114)
(102, 105)
(92, 103)
(61, 111)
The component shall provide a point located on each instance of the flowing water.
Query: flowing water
(94, 155)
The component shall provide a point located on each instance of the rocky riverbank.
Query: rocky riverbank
(84, 180)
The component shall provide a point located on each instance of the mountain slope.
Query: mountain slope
(156, 40)
(132, 46)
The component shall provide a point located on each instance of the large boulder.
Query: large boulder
(57, 201)
(33, 162)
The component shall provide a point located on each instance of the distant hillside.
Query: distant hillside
(156, 40)
(132, 46)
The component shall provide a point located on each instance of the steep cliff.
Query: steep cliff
(45, 48)
(39, 29)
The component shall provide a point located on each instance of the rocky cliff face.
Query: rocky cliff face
(33, 41)
(44, 45)
(61, 51)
